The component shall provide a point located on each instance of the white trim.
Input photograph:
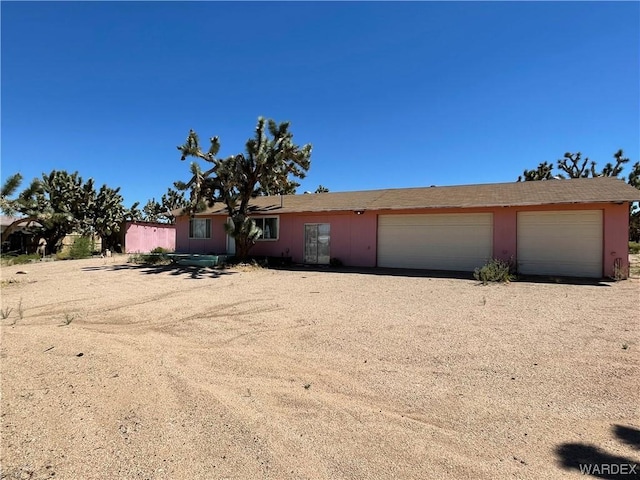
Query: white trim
(263, 217)
(230, 241)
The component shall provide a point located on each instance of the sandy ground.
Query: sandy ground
(111, 370)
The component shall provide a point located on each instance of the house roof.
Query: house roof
(6, 220)
(581, 190)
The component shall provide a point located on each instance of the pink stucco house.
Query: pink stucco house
(142, 237)
(557, 227)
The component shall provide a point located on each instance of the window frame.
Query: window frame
(207, 228)
(263, 218)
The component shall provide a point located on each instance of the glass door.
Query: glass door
(317, 239)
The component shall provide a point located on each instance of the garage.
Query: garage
(560, 243)
(459, 242)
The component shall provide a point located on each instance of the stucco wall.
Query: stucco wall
(616, 237)
(217, 244)
(354, 237)
(615, 231)
(144, 237)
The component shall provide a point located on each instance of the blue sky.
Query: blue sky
(390, 94)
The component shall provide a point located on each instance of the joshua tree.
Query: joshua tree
(270, 160)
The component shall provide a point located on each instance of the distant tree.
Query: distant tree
(611, 170)
(151, 211)
(155, 211)
(8, 189)
(634, 176)
(17, 205)
(64, 203)
(543, 172)
(634, 226)
(270, 160)
(171, 201)
(321, 189)
(574, 166)
(107, 217)
(134, 213)
(60, 202)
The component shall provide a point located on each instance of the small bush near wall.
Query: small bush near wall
(82, 248)
(619, 271)
(68, 241)
(265, 261)
(495, 270)
(20, 259)
(634, 247)
(154, 258)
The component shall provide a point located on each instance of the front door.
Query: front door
(316, 243)
(231, 242)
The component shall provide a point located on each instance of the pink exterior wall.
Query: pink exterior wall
(217, 244)
(615, 233)
(144, 237)
(504, 233)
(354, 237)
(616, 237)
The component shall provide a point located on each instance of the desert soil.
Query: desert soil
(113, 370)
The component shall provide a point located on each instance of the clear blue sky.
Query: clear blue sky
(389, 94)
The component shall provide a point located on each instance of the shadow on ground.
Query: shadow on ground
(213, 272)
(405, 272)
(597, 463)
(191, 272)
(628, 435)
(393, 272)
(593, 282)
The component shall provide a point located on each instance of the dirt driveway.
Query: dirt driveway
(111, 370)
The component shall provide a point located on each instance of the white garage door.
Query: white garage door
(438, 242)
(560, 243)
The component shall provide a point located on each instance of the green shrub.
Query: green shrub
(160, 250)
(149, 259)
(81, 248)
(634, 247)
(134, 258)
(494, 270)
(20, 259)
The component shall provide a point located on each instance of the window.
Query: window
(269, 227)
(200, 228)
